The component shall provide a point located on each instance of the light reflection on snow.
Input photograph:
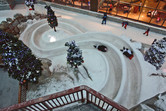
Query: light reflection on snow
(164, 70)
(52, 38)
(67, 17)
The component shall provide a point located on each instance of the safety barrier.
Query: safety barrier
(82, 94)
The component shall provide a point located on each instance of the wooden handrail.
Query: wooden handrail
(59, 99)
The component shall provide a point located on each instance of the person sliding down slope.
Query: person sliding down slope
(128, 53)
(101, 48)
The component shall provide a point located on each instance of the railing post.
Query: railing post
(62, 100)
(22, 93)
(77, 96)
(87, 94)
(66, 99)
(47, 106)
(19, 94)
(82, 97)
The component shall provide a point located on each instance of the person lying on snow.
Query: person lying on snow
(128, 53)
(101, 48)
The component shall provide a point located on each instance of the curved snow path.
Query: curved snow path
(124, 79)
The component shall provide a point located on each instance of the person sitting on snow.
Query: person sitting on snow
(128, 53)
(100, 48)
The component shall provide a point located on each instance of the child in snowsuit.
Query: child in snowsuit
(104, 18)
(124, 23)
(147, 32)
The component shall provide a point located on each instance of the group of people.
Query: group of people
(124, 24)
(127, 52)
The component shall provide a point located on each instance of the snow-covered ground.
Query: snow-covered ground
(126, 81)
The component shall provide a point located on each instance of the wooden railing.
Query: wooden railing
(82, 94)
(22, 93)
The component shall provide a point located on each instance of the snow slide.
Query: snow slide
(121, 79)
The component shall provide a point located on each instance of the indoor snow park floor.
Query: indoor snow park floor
(125, 81)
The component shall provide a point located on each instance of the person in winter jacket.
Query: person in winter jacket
(124, 23)
(128, 53)
(30, 3)
(101, 48)
(147, 32)
(104, 18)
(154, 41)
(111, 7)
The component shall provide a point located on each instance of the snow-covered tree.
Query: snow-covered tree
(51, 18)
(156, 53)
(74, 54)
(18, 59)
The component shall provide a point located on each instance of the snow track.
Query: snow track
(123, 76)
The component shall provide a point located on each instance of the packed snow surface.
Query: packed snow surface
(96, 62)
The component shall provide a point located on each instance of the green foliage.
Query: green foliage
(51, 18)
(18, 59)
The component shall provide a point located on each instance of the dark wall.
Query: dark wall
(94, 5)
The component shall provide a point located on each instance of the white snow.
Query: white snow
(2, 19)
(96, 62)
(146, 108)
(52, 36)
(161, 102)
